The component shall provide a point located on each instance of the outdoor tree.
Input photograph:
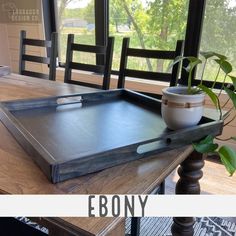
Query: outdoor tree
(166, 24)
(118, 15)
(136, 16)
(158, 24)
(62, 4)
(219, 27)
(88, 13)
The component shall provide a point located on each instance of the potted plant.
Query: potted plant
(183, 106)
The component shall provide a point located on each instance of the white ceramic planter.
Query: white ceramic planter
(180, 110)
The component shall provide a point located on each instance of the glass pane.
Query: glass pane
(219, 34)
(76, 17)
(151, 24)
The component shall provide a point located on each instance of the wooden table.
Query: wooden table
(20, 175)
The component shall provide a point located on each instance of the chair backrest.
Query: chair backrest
(51, 48)
(104, 70)
(152, 54)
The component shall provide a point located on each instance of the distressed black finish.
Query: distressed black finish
(151, 54)
(190, 172)
(183, 226)
(69, 136)
(51, 61)
(104, 70)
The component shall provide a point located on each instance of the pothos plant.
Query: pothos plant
(208, 145)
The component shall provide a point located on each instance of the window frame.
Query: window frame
(196, 12)
(49, 17)
(193, 34)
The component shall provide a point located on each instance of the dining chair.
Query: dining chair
(51, 49)
(104, 70)
(170, 77)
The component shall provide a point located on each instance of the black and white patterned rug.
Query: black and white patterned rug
(32, 224)
(205, 226)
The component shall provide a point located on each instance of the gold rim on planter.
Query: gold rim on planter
(182, 105)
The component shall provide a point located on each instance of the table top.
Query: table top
(20, 175)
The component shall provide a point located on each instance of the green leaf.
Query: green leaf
(207, 55)
(232, 95)
(233, 78)
(224, 65)
(228, 158)
(206, 145)
(176, 60)
(192, 63)
(211, 94)
(194, 60)
(209, 138)
(220, 56)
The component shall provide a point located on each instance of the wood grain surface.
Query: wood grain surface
(19, 174)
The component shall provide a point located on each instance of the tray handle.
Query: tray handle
(69, 100)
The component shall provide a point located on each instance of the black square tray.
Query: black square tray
(69, 136)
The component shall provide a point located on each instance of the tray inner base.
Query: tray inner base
(72, 131)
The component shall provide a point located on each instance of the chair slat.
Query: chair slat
(35, 74)
(87, 67)
(155, 54)
(128, 52)
(88, 48)
(37, 42)
(36, 59)
(148, 75)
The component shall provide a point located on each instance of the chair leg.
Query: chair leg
(162, 188)
(135, 226)
(135, 221)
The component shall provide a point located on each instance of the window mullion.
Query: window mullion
(101, 26)
(193, 32)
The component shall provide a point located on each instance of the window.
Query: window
(219, 32)
(76, 17)
(151, 24)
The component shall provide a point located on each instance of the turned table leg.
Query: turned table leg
(190, 173)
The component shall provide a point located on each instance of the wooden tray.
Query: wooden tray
(69, 136)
